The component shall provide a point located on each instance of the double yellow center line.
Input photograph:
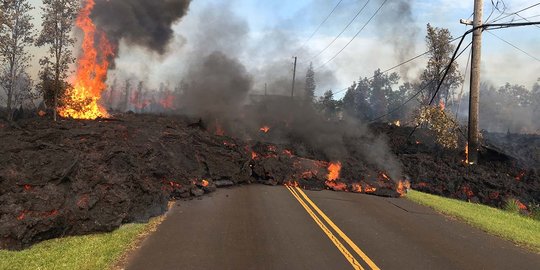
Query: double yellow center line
(304, 200)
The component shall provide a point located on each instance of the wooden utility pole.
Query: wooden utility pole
(475, 82)
(294, 77)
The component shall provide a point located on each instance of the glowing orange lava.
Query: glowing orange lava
(357, 188)
(402, 187)
(334, 169)
(205, 183)
(82, 101)
(265, 129)
(467, 153)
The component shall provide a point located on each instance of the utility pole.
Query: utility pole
(294, 77)
(265, 89)
(475, 82)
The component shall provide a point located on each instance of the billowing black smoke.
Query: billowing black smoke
(147, 23)
(218, 86)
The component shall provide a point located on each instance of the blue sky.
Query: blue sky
(298, 19)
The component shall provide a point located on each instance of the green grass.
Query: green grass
(98, 251)
(519, 229)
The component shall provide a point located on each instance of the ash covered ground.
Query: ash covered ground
(79, 177)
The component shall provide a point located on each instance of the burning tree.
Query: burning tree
(82, 101)
(15, 37)
(58, 20)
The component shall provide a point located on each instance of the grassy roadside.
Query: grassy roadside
(514, 227)
(99, 251)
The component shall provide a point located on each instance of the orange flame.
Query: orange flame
(467, 153)
(521, 205)
(334, 169)
(265, 129)
(205, 183)
(357, 188)
(370, 189)
(82, 102)
(291, 184)
(442, 105)
(397, 123)
(403, 186)
(254, 155)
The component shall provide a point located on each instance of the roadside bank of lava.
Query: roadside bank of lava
(496, 179)
(76, 177)
(79, 177)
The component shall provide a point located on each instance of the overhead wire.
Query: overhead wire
(514, 46)
(430, 83)
(514, 13)
(401, 64)
(341, 33)
(319, 27)
(356, 35)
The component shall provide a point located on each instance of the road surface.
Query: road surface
(262, 227)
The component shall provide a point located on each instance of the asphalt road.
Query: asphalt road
(262, 227)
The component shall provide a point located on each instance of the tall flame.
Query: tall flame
(82, 101)
(334, 169)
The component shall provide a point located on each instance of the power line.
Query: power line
(515, 47)
(515, 13)
(495, 26)
(445, 71)
(400, 64)
(354, 37)
(527, 19)
(320, 25)
(341, 33)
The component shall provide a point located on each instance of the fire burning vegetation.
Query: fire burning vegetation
(82, 101)
(98, 169)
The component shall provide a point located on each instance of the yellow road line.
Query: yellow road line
(355, 264)
(340, 232)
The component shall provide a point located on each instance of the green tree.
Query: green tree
(16, 35)
(329, 106)
(310, 85)
(381, 91)
(440, 54)
(57, 25)
(355, 101)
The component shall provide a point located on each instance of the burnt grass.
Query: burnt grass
(80, 177)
